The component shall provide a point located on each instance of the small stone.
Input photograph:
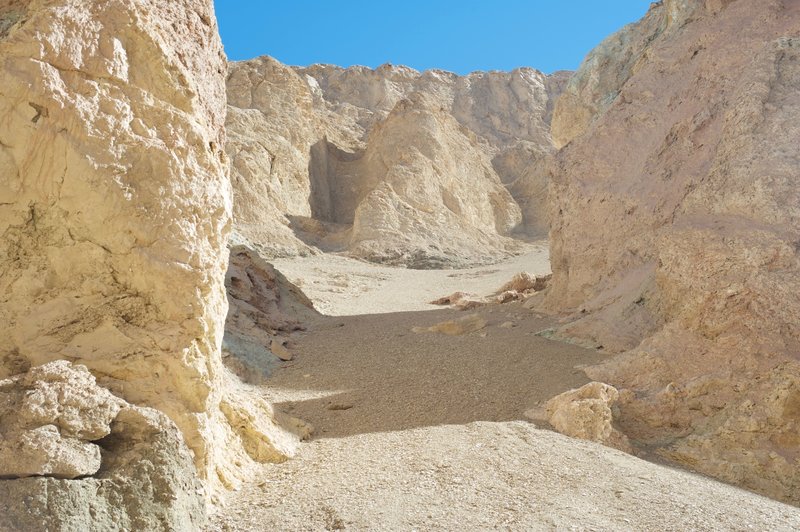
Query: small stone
(278, 349)
(464, 325)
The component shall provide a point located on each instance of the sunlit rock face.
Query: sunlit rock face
(422, 169)
(75, 457)
(115, 208)
(675, 226)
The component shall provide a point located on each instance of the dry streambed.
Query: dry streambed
(419, 429)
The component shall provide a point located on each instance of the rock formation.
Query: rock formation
(128, 467)
(587, 413)
(675, 228)
(392, 165)
(264, 309)
(115, 208)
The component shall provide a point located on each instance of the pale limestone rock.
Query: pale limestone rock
(48, 417)
(675, 228)
(428, 177)
(333, 159)
(278, 348)
(115, 206)
(42, 451)
(266, 435)
(520, 288)
(452, 299)
(61, 395)
(587, 413)
(461, 301)
(144, 478)
(525, 282)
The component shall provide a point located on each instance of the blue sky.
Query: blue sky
(456, 35)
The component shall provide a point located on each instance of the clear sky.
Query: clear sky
(456, 35)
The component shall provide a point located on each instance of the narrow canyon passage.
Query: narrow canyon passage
(416, 429)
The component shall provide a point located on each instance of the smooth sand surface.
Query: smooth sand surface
(341, 286)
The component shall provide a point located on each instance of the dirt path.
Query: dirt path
(424, 431)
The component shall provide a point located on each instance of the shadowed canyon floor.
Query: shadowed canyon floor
(426, 431)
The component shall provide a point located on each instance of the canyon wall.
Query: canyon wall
(675, 233)
(115, 208)
(392, 165)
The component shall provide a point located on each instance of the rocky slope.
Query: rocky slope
(392, 165)
(675, 230)
(115, 208)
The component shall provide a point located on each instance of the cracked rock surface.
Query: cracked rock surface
(75, 457)
(115, 208)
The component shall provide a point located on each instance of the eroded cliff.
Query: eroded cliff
(392, 165)
(115, 208)
(675, 230)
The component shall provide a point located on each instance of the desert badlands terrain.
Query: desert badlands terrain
(251, 296)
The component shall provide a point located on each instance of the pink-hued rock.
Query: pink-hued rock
(675, 228)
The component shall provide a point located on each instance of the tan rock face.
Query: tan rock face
(675, 228)
(596, 84)
(392, 165)
(587, 413)
(115, 207)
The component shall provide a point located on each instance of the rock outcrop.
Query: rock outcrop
(264, 309)
(135, 471)
(587, 413)
(391, 165)
(675, 229)
(115, 207)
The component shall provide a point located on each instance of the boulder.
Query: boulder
(84, 459)
(587, 413)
